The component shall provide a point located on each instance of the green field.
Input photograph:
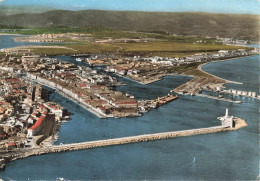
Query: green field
(53, 51)
(155, 48)
(171, 49)
(160, 44)
(104, 33)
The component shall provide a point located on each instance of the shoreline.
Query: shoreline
(197, 81)
(200, 67)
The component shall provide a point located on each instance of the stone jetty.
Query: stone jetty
(23, 153)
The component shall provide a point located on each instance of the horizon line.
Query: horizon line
(155, 11)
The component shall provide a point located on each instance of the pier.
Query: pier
(228, 124)
(218, 98)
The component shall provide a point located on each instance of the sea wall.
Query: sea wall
(239, 123)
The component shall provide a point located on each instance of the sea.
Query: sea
(221, 156)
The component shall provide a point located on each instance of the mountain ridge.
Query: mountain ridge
(239, 26)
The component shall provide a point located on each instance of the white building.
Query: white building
(227, 121)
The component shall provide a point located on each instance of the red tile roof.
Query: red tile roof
(11, 144)
(13, 80)
(38, 123)
(82, 85)
(42, 106)
(79, 94)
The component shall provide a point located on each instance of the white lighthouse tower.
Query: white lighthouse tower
(227, 121)
(226, 115)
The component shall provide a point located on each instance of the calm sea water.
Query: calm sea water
(7, 41)
(224, 156)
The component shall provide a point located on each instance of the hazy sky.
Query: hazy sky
(215, 6)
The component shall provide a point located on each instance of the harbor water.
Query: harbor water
(222, 156)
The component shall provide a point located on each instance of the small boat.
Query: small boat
(78, 59)
(60, 178)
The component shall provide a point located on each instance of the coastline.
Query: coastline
(200, 67)
(144, 83)
(193, 86)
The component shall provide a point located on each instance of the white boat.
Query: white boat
(78, 59)
(60, 178)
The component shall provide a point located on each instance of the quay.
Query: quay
(68, 96)
(217, 98)
(232, 92)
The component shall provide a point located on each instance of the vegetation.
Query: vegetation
(170, 48)
(197, 72)
(188, 69)
(104, 33)
(154, 48)
(163, 23)
(53, 51)
(183, 68)
(2, 54)
(77, 49)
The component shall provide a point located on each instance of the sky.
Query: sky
(213, 6)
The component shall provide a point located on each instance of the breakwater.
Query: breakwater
(23, 153)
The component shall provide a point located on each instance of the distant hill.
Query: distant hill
(11, 10)
(186, 23)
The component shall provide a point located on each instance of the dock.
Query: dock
(217, 98)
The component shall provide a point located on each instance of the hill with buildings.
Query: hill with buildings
(239, 26)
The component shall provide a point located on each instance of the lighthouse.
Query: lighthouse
(226, 115)
(227, 121)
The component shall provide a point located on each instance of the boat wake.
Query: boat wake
(193, 163)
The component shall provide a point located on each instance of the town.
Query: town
(29, 120)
